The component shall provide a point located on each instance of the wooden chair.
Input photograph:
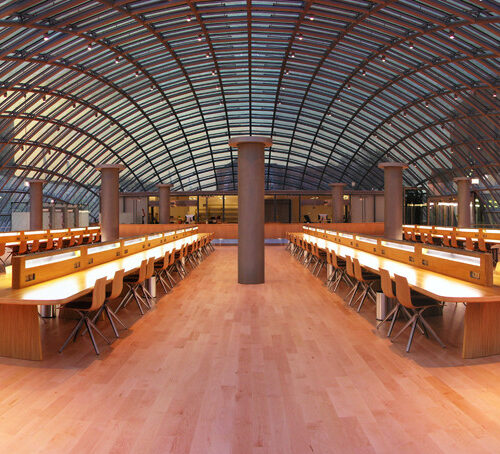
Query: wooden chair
(134, 283)
(49, 244)
(386, 284)
(469, 245)
(366, 281)
(83, 308)
(340, 271)
(418, 306)
(35, 246)
(407, 235)
(171, 267)
(481, 244)
(160, 270)
(430, 239)
(445, 240)
(72, 241)
(112, 295)
(453, 241)
(349, 268)
(21, 248)
(150, 271)
(2, 261)
(79, 240)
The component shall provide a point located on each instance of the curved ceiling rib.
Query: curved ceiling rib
(160, 86)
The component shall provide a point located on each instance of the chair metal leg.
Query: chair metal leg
(352, 293)
(111, 321)
(73, 334)
(412, 333)
(430, 330)
(91, 335)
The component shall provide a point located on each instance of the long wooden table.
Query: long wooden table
(20, 335)
(482, 314)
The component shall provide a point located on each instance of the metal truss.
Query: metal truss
(160, 86)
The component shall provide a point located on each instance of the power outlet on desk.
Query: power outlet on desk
(90, 261)
(411, 259)
(425, 263)
(76, 265)
(118, 253)
(125, 251)
(29, 277)
(475, 275)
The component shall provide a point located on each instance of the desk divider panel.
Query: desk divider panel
(33, 269)
(470, 266)
(30, 235)
(489, 235)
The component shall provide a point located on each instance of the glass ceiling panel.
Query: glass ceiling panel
(160, 86)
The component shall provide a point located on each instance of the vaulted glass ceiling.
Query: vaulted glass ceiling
(160, 86)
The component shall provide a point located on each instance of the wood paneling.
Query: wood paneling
(481, 330)
(230, 231)
(19, 332)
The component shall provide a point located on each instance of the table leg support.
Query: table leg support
(481, 330)
(20, 332)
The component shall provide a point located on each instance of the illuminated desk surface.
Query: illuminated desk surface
(67, 288)
(19, 323)
(435, 285)
(481, 320)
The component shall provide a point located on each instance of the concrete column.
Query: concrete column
(164, 203)
(251, 265)
(393, 199)
(36, 204)
(464, 202)
(337, 202)
(65, 217)
(76, 216)
(110, 210)
(52, 215)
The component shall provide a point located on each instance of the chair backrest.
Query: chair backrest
(150, 269)
(99, 294)
(117, 286)
(72, 241)
(335, 262)
(423, 237)
(79, 240)
(348, 266)
(142, 272)
(407, 235)
(2, 249)
(171, 257)
(430, 239)
(97, 237)
(454, 240)
(166, 259)
(481, 244)
(446, 240)
(35, 246)
(403, 293)
(50, 244)
(413, 236)
(23, 247)
(469, 245)
(386, 283)
(358, 272)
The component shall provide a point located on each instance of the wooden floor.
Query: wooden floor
(220, 368)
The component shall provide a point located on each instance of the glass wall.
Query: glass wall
(216, 208)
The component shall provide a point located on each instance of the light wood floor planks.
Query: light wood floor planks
(221, 368)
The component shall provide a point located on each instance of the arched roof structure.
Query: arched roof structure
(159, 86)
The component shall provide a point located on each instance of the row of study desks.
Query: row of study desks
(482, 313)
(20, 335)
